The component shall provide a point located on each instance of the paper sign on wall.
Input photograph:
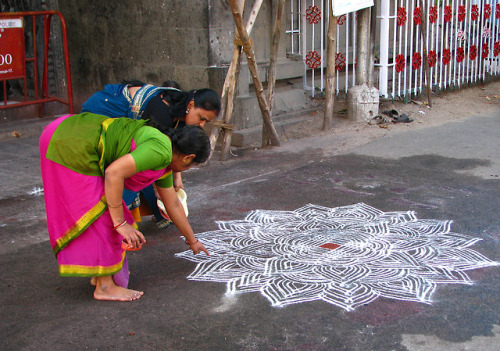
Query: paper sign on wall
(341, 7)
(12, 58)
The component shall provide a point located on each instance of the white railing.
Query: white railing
(461, 43)
(307, 39)
(461, 40)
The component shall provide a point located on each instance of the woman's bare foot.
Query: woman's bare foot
(106, 289)
(93, 281)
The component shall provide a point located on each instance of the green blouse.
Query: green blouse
(88, 143)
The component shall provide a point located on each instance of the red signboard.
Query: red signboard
(12, 59)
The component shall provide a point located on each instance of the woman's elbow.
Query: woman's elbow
(111, 173)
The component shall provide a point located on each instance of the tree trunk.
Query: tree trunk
(330, 71)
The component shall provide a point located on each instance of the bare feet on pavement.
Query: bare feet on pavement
(106, 289)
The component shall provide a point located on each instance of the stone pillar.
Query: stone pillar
(362, 100)
(362, 103)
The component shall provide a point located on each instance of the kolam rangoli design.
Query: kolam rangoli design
(347, 256)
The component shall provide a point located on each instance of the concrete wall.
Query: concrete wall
(148, 40)
(190, 41)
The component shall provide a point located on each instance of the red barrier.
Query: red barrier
(13, 58)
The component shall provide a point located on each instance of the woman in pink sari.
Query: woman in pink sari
(86, 162)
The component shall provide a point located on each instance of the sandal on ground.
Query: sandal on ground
(164, 223)
(396, 117)
(403, 118)
(391, 113)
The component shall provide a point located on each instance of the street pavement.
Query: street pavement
(444, 173)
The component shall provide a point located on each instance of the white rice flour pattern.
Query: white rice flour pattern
(347, 256)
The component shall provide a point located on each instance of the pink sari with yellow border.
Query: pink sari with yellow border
(79, 225)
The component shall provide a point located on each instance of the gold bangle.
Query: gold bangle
(120, 205)
(191, 243)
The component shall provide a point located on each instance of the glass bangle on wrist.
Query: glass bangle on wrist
(120, 225)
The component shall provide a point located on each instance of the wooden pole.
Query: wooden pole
(228, 90)
(255, 11)
(271, 79)
(423, 30)
(330, 70)
(228, 131)
(247, 45)
(232, 76)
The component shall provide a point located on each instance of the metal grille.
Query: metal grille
(307, 40)
(461, 44)
(460, 41)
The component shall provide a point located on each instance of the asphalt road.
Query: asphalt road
(436, 175)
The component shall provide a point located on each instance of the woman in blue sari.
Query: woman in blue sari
(167, 106)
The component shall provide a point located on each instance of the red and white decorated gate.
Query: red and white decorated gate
(459, 39)
(307, 40)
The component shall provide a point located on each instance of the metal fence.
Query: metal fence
(458, 41)
(307, 40)
(21, 60)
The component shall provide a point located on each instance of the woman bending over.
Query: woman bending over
(87, 161)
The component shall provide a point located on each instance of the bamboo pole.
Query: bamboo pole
(247, 44)
(330, 71)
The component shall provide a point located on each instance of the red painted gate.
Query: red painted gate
(13, 60)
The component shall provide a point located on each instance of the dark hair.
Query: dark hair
(178, 101)
(206, 99)
(191, 140)
(171, 84)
